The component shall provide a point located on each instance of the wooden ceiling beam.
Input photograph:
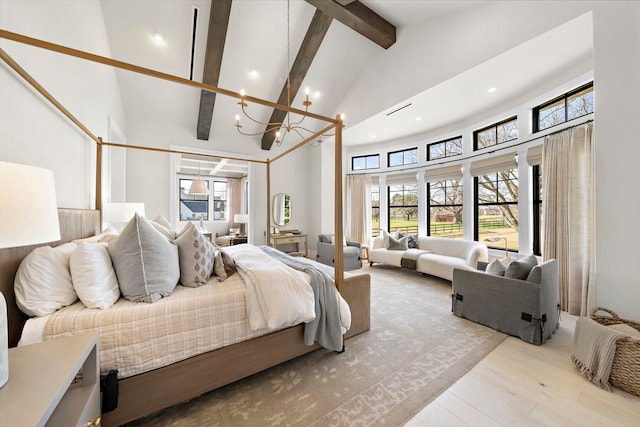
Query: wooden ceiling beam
(218, 23)
(312, 40)
(360, 18)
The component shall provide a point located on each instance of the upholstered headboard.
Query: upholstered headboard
(74, 224)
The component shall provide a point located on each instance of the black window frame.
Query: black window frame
(446, 153)
(375, 231)
(536, 110)
(404, 162)
(494, 126)
(477, 204)
(429, 205)
(390, 206)
(366, 157)
(536, 207)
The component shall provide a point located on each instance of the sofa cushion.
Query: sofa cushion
(325, 238)
(520, 269)
(401, 244)
(535, 275)
(496, 268)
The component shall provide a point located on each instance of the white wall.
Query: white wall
(617, 150)
(31, 132)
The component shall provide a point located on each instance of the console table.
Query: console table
(41, 389)
(288, 239)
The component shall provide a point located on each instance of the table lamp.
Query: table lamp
(241, 219)
(29, 216)
(121, 213)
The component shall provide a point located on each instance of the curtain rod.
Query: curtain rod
(471, 156)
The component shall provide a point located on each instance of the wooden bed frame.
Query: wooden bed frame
(146, 393)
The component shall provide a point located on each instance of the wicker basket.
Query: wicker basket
(625, 372)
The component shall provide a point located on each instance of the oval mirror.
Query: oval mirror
(281, 209)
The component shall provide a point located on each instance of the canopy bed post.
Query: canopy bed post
(339, 250)
(268, 242)
(99, 177)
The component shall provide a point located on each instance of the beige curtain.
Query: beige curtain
(358, 227)
(569, 214)
(235, 199)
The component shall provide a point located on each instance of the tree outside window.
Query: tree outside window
(497, 208)
(403, 208)
(495, 134)
(375, 210)
(445, 208)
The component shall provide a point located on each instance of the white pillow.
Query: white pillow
(107, 235)
(43, 281)
(162, 225)
(93, 276)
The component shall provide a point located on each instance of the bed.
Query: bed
(159, 388)
(144, 393)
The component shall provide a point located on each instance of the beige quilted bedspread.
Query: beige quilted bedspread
(138, 337)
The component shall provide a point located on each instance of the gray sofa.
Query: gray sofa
(326, 251)
(527, 308)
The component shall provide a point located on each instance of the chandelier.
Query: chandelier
(280, 129)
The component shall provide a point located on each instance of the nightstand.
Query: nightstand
(41, 389)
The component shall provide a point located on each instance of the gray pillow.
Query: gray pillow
(196, 257)
(413, 242)
(520, 269)
(398, 245)
(325, 238)
(535, 275)
(496, 268)
(218, 266)
(146, 263)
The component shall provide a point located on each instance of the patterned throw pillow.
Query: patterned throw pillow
(196, 257)
(413, 242)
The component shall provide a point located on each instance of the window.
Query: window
(497, 209)
(403, 157)
(445, 208)
(448, 148)
(495, 134)
(219, 200)
(213, 205)
(571, 105)
(403, 208)
(192, 207)
(537, 210)
(375, 210)
(365, 162)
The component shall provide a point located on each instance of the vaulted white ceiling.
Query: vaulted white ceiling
(257, 39)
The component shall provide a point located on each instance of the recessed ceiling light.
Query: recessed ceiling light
(373, 136)
(492, 89)
(254, 74)
(317, 94)
(418, 118)
(157, 38)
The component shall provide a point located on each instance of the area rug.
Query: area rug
(416, 349)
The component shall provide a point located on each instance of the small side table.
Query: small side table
(365, 252)
(41, 389)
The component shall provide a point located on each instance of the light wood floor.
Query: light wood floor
(519, 384)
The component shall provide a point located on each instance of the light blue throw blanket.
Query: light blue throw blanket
(326, 327)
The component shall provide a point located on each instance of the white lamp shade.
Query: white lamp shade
(28, 207)
(121, 212)
(198, 188)
(241, 218)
